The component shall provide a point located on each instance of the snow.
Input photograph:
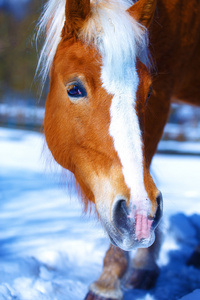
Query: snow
(49, 250)
(192, 296)
(192, 148)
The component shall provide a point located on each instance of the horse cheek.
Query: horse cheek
(57, 134)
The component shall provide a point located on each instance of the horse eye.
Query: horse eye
(76, 90)
(149, 93)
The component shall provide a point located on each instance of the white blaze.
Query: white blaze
(126, 134)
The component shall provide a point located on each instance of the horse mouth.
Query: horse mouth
(130, 241)
(131, 231)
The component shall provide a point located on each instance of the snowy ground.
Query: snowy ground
(50, 251)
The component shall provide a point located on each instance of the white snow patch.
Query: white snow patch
(192, 296)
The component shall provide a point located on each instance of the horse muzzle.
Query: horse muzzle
(130, 231)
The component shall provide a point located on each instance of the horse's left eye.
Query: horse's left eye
(76, 91)
(149, 93)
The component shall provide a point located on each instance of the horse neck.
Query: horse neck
(173, 33)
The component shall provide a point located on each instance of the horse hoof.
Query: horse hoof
(92, 296)
(194, 260)
(141, 279)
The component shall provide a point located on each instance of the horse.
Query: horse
(115, 67)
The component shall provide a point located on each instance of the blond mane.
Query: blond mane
(116, 35)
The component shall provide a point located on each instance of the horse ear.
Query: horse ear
(76, 12)
(143, 11)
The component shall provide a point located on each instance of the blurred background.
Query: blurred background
(21, 105)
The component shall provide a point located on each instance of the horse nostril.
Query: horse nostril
(158, 199)
(120, 214)
(159, 210)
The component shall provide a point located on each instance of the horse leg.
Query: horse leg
(107, 287)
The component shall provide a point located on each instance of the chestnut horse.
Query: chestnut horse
(115, 67)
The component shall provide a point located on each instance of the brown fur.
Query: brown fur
(114, 267)
(143, 11)
(76, 12)
(175, 46)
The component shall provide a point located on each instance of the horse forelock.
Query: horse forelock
(117, 36)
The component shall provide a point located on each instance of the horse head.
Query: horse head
(94, 117)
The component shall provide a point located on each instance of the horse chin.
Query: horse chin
(129, 242)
